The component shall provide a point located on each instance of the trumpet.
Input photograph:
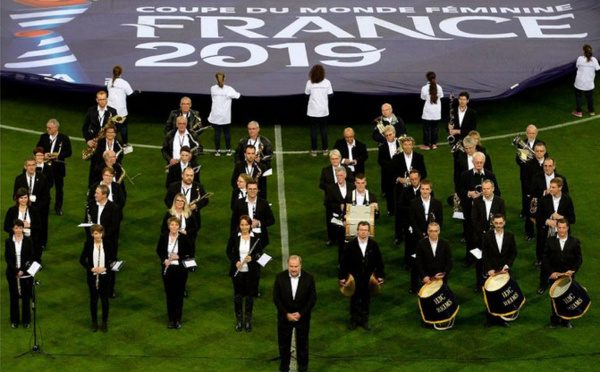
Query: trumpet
(524, 152)
(88, 152)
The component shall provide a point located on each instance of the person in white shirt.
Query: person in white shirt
(318, 88)
(432, 94)
(118, 91)
(220, 112)
(584, 81)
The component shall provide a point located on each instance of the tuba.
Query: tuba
(524, 152)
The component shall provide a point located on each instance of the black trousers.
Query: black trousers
(360, 301)
(100, 292)
(284, 336)
(26, 289)
(174, 282)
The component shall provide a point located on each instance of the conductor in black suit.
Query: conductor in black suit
(562, 255)
(434, 257)
(57, 148)
(498, 253)
(362, 258)
(354, 153)
(554, 206)
(294, 296)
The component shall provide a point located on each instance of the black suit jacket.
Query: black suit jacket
(468, 123)
(233, 253)
(27, 256)
(197, 190)
(359, 153)
(334, 198)
(522, 166)
(559, 261)
(13, 213)
(303, 303)
(383, 155)
(191, 229)
(462, 165)
(532, 169)
(46, 170)
(397, 166)
(64, 144)
(41, 189)
(174, 173)
(116, 192)
(87, 255)
(183, 245)
(493, 259)
(482, 221)
(538, 185)
(398, 125)
(263, 213)
(92, 126)
(172, 120)
(167, 147)
(240, 168)
(546, 209)
(110, 219)
(427, 264)
(328, 178)
(469, 181)
(417, 216)
(99, 153)
(266, 150)
(361, 267)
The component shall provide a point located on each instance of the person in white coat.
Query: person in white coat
(220, 112)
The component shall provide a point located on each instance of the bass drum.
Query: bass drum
(569, 299)
(503, 297)
(438, 305)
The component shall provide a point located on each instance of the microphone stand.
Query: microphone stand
(36, 348)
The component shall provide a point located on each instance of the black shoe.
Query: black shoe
(505, 324)
(366, 326)
(113, 295)
(248, 327)
(538, 263)
(94, 327)
(552, 325)
(177, 325)
(104, 327)
(352, 326)
(185, 294)
(397, 241)
(238, 327)
(14, 325)
(463, 240)
(488, 325)
(330, 243)
(412, 291)
(567, 325)
(26, 325)
(528, 238)
(59, 212)
(171, 325)
(541, 290)
(390, 213)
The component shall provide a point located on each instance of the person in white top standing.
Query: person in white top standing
(432, 94)
(118, 91)
(318, 88)
(220, 112)
(584, 81)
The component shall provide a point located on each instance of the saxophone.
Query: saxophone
(88, 152)
(122, 176)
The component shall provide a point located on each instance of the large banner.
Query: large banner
(266, 47)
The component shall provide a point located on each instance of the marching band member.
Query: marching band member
(387, 118)
(185, 109)
(257, 208)
(174, 171)
(362, 258)
(194, 193)
(252, 168)
(97, 257)
(402, 204)
(335, 205)
(95, 120)
(110, 161)
(57, 148)
(264, 148)
(188, 224)
(387, 151)
(243, 250)
(354, 152)
(178, 138)
(533, 168)
(554, 206)
(115, 194)
(19, 254)
(499, 251)
(240, 191)
(171, 249)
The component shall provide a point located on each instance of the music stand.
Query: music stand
(36, 348)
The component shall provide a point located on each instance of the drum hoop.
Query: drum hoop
(437, 321)
(491, 278)
(570, 317)
(431, 283)
(487, 306)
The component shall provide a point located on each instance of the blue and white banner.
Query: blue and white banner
(266, 47)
